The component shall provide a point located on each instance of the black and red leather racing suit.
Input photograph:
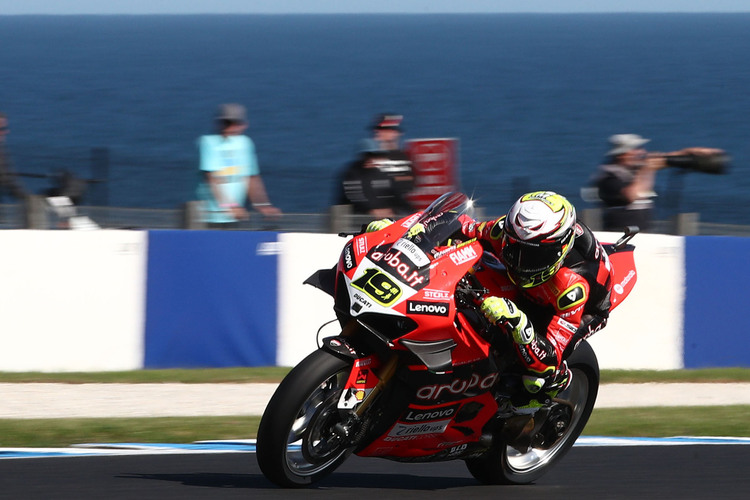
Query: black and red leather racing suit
(567, 308)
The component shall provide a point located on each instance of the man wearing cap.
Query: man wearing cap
(625, 181)
(230, 172)
(364, 186)
(395, 164)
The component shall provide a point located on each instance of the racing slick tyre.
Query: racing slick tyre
(505, 464)
(296, 443)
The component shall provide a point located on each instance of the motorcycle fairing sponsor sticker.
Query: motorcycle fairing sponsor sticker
(407, 223)
(361, 245)
(458, 387)
(463, 255)
(348, 257)
(428, 308)
(412, 252)
(425, 414)
(400, 266)
(406, 430)
(620, 287)
(362, 380)
(428, 293)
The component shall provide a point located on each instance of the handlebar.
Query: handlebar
(470, 291)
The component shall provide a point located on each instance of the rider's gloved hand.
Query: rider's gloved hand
(503, 312)
(416, 229)
(377, 225)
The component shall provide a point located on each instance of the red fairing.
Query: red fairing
(625, 276)
(449, 409)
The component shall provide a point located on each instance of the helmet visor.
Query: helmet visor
(530, 263)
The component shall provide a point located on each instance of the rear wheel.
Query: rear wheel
(552, 439)
(296, 443)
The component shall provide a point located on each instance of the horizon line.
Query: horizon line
(409, 13)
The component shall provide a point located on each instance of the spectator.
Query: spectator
(364, 186)
(396, 164)
(9, 181)
(625, 181)
(230, 171)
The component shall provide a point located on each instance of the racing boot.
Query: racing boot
(560, 381)
(540, 390)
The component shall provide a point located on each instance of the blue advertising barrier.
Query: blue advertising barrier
(211, 299)
(716, 320)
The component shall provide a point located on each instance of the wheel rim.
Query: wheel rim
(311, 444)
(576, 396)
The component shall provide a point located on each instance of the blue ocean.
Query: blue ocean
(532, 98)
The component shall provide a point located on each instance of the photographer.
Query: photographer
(625, 181)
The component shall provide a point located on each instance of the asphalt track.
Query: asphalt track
(622, 472)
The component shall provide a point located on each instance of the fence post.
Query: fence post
(686, 224)
(35, 212)
(191, 216)
(592, 217)
(339, 218)
(100, 172)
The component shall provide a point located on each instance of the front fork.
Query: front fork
(367, 379)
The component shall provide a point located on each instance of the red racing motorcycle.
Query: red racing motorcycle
(413, 375)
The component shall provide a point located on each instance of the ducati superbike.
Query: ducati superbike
(416, 373)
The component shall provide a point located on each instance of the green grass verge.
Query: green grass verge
(275, 374)
(670, 421)
(65, 432)
(640, 422)
(713, 375)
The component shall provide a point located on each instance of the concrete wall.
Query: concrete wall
(72, 301)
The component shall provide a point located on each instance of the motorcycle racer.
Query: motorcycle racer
(560, 280)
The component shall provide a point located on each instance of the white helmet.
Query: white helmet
(538, 233)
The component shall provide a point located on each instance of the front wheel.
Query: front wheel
(506, 464)
(296, 443)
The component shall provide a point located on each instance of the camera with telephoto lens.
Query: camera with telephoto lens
(712, 163)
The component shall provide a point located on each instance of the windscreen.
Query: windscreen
(440, 222)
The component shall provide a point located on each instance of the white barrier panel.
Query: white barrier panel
(645, 331)
(302, 309)
(72, 300)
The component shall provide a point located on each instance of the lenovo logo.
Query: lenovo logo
(430, 308)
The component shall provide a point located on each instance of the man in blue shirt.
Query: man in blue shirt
(230, 172)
